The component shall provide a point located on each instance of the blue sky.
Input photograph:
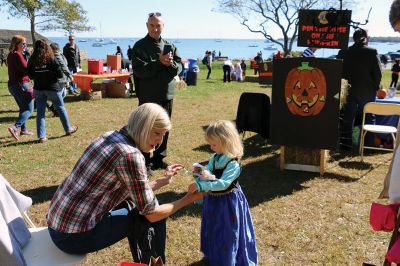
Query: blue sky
(188, 19)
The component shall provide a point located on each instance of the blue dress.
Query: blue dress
(227, 233)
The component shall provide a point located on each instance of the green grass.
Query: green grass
(300, 218)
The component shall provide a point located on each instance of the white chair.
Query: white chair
(41, 251)
(378, 109)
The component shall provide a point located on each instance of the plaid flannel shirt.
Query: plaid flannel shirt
(112, 169)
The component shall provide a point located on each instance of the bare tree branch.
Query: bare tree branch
(266, 16)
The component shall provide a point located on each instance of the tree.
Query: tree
(49, 14)
(265, 16)
(30, 9)
(70, 17)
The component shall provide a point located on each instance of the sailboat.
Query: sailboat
(99, 41)
(177, 40)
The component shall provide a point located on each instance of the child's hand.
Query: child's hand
(192, 188)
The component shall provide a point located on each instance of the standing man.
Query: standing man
(362, 69)
(259, 60)
(72, 54)
(128, 52)
(154, 68)
(209, 62)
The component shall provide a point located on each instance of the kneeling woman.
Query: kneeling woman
(108, 195)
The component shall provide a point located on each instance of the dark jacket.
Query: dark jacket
(396, 68)
(45, 78)
(154, 82)
(362, 68)
(72, 54)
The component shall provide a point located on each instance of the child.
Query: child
(227, 234)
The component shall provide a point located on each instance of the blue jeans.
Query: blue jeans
(145, 239)
(25, 103)
(56, 97)
(73, 86)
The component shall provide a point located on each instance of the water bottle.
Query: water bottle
(392, 92)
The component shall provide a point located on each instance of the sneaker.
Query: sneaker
(26, 132)
(14, 132)
(43, 140)
(53, 110)
(72, 130)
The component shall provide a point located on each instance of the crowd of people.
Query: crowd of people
(123, 203)
(47, 68)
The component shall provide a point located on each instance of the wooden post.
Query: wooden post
(302, 159)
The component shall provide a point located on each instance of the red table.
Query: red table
(83, 80)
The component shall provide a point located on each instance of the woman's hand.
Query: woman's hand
(167, 178)
(172, 170)
(192, 188)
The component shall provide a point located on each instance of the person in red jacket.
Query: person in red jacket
(18, 85)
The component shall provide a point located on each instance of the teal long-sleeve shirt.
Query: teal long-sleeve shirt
(231, 172)
(154, 82)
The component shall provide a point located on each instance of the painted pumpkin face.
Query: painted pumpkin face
(305, 90)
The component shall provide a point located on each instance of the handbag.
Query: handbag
(383, 217)
(29, 93)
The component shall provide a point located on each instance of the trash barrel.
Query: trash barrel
(185, 65)
(191, 76)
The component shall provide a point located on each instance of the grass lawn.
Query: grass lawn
(300, 218)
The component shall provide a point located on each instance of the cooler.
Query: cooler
(114, 61)
(95, 66)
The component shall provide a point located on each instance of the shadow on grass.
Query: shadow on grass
(40, 194)
(8, 111)
(72, 98)
(10, 119)
(14, 143)
(202, 262)
(190, 210)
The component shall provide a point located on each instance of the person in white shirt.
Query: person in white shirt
(227, 70)
(238, 71)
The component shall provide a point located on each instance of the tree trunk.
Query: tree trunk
(32, 19)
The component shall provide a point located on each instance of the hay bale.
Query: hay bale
(299, 155)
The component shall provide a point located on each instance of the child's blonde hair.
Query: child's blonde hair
(226, 133)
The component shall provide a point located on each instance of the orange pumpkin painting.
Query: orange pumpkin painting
(305, 90)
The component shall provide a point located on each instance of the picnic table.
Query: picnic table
(84, 80)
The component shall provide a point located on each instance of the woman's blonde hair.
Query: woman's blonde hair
(226, 133)
(16, 39)
(143, 119)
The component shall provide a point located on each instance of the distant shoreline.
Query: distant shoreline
(372, 39)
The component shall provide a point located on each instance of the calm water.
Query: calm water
(195, 48)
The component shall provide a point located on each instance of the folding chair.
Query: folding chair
(41, 250)
(378, 109)
(36, 250)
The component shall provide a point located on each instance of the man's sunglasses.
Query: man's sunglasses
(154, 14)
